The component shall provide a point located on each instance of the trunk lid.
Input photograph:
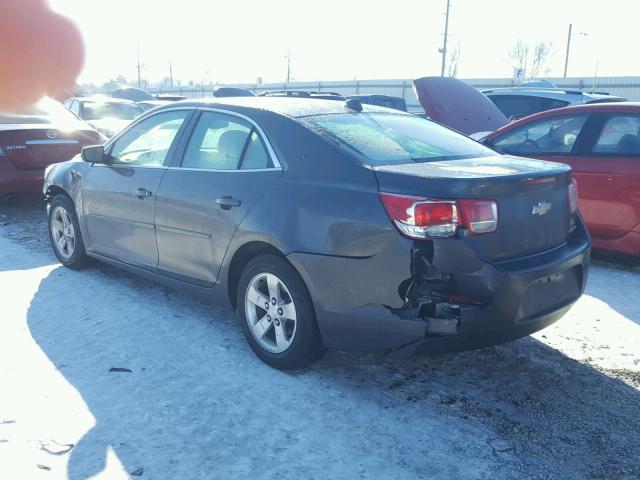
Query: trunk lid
(532, 198)
(34, 147)
(454, 103)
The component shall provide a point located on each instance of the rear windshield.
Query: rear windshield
(98, 110)
(46, 111)
(387, 139)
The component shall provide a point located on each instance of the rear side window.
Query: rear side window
(620, 135)
(549, 136)
(387, 139)
(225, 142)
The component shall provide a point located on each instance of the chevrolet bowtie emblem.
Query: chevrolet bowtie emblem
(541, 208)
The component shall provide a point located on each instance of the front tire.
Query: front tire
(277, 315)
(64, 233)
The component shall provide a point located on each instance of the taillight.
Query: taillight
(419, 217)
(572, 190)
(479, 216)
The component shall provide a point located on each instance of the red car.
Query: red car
(601, 142)
(35, 138)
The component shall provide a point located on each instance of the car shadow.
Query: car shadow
(186, 395)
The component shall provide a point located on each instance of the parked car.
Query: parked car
(232, 92)
(397, 103)
(601, 142)
(149, 104)
(537, 96)
(304, 94)
(328, 224)
(35, 138)
(132, 94)
(107, 115)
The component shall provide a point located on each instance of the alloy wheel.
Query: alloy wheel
(270, 312)
(62, 232)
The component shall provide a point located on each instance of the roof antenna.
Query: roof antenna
(353, 104)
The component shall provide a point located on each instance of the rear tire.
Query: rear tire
(64, 233)
(277, 315)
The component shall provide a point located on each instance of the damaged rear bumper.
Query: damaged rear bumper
(440, 296)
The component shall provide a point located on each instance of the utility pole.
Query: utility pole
(288, 55)
(170, 74)
(139, 83)
(443, 50)
(566, 58)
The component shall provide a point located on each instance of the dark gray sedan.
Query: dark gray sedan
(328, 224)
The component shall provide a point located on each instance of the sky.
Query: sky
(239, 41)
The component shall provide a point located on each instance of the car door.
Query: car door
(118, 198)
(226, 166)
(607, 169)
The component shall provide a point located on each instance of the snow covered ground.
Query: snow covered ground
(189, 400)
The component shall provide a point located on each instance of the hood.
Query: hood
(458, 105)
(109, 126)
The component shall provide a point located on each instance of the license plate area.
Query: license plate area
(550, 293)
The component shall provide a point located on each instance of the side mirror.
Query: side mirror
(94, 154)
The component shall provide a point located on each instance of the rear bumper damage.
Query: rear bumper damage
(441, 296)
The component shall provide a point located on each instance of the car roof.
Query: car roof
(294, 107)
(605, 107)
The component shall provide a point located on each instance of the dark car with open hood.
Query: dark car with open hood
(328, 224)
(32, 139)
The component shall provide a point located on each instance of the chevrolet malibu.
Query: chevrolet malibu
(328, 224)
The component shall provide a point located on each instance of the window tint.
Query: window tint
(225, 142)
(620, 135)
(554, 135)
(148, 142)
(519, 106)
(385, 138)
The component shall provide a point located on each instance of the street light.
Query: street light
(566, 58)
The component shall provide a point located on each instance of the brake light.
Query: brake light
(419, 217)
(572, 190)
(479, 216)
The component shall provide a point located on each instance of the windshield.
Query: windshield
(97, 110)
(387, 138)
(46, 111)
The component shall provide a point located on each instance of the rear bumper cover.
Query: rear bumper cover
(359, 302)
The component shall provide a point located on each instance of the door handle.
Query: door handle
(227, 202)
(142, 193)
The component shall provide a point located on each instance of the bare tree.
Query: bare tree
(519, 55)
(541, 53)
(454, 59)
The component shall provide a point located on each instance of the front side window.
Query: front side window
(225, 142)
(549, 136)
(620, 135)
(387, 138)
(148, 141)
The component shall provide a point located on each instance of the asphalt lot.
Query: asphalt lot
(189, 400)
